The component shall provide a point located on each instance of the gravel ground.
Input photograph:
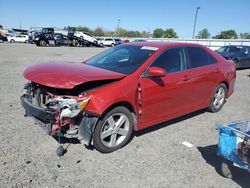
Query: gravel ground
(154, 158)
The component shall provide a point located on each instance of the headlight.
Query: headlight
(71, 108)
(84, 103)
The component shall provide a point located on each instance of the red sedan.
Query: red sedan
(125, 89)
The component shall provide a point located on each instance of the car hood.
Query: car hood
(67, 75)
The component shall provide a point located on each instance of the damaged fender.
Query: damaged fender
(86, 129)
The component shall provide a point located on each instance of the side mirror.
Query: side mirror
(156, 72)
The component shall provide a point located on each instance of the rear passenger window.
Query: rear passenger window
(199, 57)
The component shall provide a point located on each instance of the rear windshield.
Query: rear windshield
(124, 59)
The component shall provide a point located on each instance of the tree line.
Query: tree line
(161, 33)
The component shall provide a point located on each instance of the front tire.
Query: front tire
(218, 98)
(42, 43)
(114, 130)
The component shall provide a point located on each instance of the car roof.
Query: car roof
(162, 44)
(239, 46)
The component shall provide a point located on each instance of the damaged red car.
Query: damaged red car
(124, 89)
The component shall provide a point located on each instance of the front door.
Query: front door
(163, 98)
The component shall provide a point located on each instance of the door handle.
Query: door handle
(186, 78)
(217, 70)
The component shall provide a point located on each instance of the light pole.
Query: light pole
(195, 19)
(118, 27)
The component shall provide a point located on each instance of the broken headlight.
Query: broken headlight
(69, 107)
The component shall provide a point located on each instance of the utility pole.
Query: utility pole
(118, 27)
(195, 19)
(20, 23)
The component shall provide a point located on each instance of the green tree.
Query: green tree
(133, 34)
(245, 35)
(203, 34)
(121, 32)
(170, 33)
(84, 28)
(158, 33)
(98, 32)
(109, 33)
(145, 34)
(228, 34)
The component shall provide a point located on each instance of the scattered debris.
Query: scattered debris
(188, 144)
(78, 161)
(28, 162)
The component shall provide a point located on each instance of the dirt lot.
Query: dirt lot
(154, 158)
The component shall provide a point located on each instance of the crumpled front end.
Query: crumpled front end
(59, 115)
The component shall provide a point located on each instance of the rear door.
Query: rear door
(205, 74)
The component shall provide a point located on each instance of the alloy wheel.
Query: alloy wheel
(219, 97)
(114, 130)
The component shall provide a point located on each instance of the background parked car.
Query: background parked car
(108, 41)
(125, 41)
(118, 41)
(18, 38)
(140, 40)
(239, 54)
(3, 38)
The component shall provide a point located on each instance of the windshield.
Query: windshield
(123, 59)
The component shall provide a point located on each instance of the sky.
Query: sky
(215, 15)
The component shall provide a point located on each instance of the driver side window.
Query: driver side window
(172, 60)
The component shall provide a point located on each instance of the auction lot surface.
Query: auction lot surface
(154, 158)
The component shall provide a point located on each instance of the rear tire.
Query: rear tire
(218, 98)
(225, 170)
(114, 130)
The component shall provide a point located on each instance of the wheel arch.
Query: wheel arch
(126, 104)
(226, 84)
